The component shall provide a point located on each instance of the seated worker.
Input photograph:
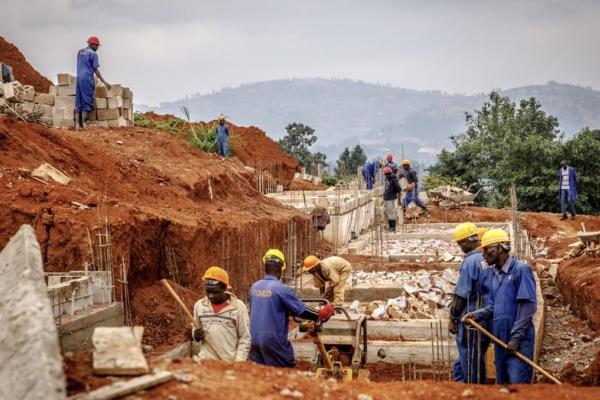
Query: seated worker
(330, 275)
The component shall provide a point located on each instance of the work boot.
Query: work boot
(563, 217)
(85, 116)
(78, 121)
(393, 226)
(390, 225)
(573, 217)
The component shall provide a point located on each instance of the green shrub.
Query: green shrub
(328, 180)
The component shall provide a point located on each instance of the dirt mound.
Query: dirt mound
(157, 193)
(298, 184)
(22, 70)
(472, 214)
(579, 283)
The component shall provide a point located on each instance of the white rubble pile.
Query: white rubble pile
(419, 246)
(426, 294)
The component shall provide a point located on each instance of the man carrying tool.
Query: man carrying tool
(411, 190)
(222, 137)
(471, 293)
(87, 66)
(512, 305)
(391, 188)
(223, 319)
(271, 303)
(329, 275)
(369, 171)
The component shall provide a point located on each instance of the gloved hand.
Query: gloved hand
(198, 334)
(511, 349)
(452, 328)
(326, 312)
(469, 315)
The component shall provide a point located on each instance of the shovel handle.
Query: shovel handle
(517, 354)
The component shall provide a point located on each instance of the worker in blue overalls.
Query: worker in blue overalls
(511, 307)
(271, 303)
(222, 137)
(471, 293)
(369, 171)
(87, 66)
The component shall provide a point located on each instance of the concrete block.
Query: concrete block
(31, 365)
(46, 109)
(9, 92)
(66, 102)
(77, 330)
(65, 90)
(103, 124)
(126, 93)
(53, 91)
(127, 103)
(101, 103)
(28, 93)
(115, 102)
(116, 90)
(108, 114)
(117, 123)
(27, 107)
(101, 91)
(65, 79)
(43, 98)
(118, 351)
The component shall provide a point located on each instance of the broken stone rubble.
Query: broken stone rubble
(420, 246)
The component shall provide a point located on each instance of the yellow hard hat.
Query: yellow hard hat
(405, 162)
(217, 274)
(274, 253)
(494, 236)
(463, 231)
(310, 262)
(481, 232)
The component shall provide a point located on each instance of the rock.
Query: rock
(557, 360)
(286, 392)
(447, 257)
(47, 171)
(119, 142)
(184, 378)
(504, 390)
(363, 396)
(147, 348)
(468, 393)
(172, 397)
(553, 271)
(585, 338)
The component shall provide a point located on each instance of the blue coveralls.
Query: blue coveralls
(271, 303)
(567, 196)
(474, 285)
(222, 140)
(87, 64)
(512, 284)
(369, 170)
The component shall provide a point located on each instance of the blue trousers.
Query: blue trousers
(564, 202)
(413, 195)
(369, 180)
(84, 95)
(222, 146)
(469, 367)
(510, 369)
(274, 352)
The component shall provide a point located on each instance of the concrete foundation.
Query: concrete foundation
(76, 330)
(30, 360)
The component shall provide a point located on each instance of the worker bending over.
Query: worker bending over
(369, 171)
(223, 319)
(329, 275)
(471, 293)
(391, 188)
(412, 193)
(511, 307)
(271, 303)
(87, 66)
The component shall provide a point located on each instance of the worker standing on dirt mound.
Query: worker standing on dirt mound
(271, 303)
(412, 194)
(511, 308)
(329, 275)
(567, 189)
(390, 163)
(87, 67)
(391, 188)
(471, 293)
(223, 319)
(222, 137)
(369, 171)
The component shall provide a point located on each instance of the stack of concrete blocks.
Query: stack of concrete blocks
(112, 107)
(23, 99)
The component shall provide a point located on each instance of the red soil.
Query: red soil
(298, 184)
(22, 70)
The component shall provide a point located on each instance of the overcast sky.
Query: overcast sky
(165, 49)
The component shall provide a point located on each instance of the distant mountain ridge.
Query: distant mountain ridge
(381, 118)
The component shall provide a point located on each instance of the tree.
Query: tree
(581, 152)
(349, 161)
(504, 144)
(343, 163)
(358, 158)
(297, 142)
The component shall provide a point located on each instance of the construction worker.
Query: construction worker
(271, 303)
(87, 66)
(390, 163)
(390, 197)
(369, 171)
(223, 319)
(412, 194)
(567, 189)
(222, 137)
(511, 307)
(471, 293)
(329, 275)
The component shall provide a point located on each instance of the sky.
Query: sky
(166, 49)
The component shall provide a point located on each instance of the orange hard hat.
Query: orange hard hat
(310, 262)
(93, 40)
(217, 274)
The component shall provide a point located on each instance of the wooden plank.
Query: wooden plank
(123, 388)
(118, 351)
